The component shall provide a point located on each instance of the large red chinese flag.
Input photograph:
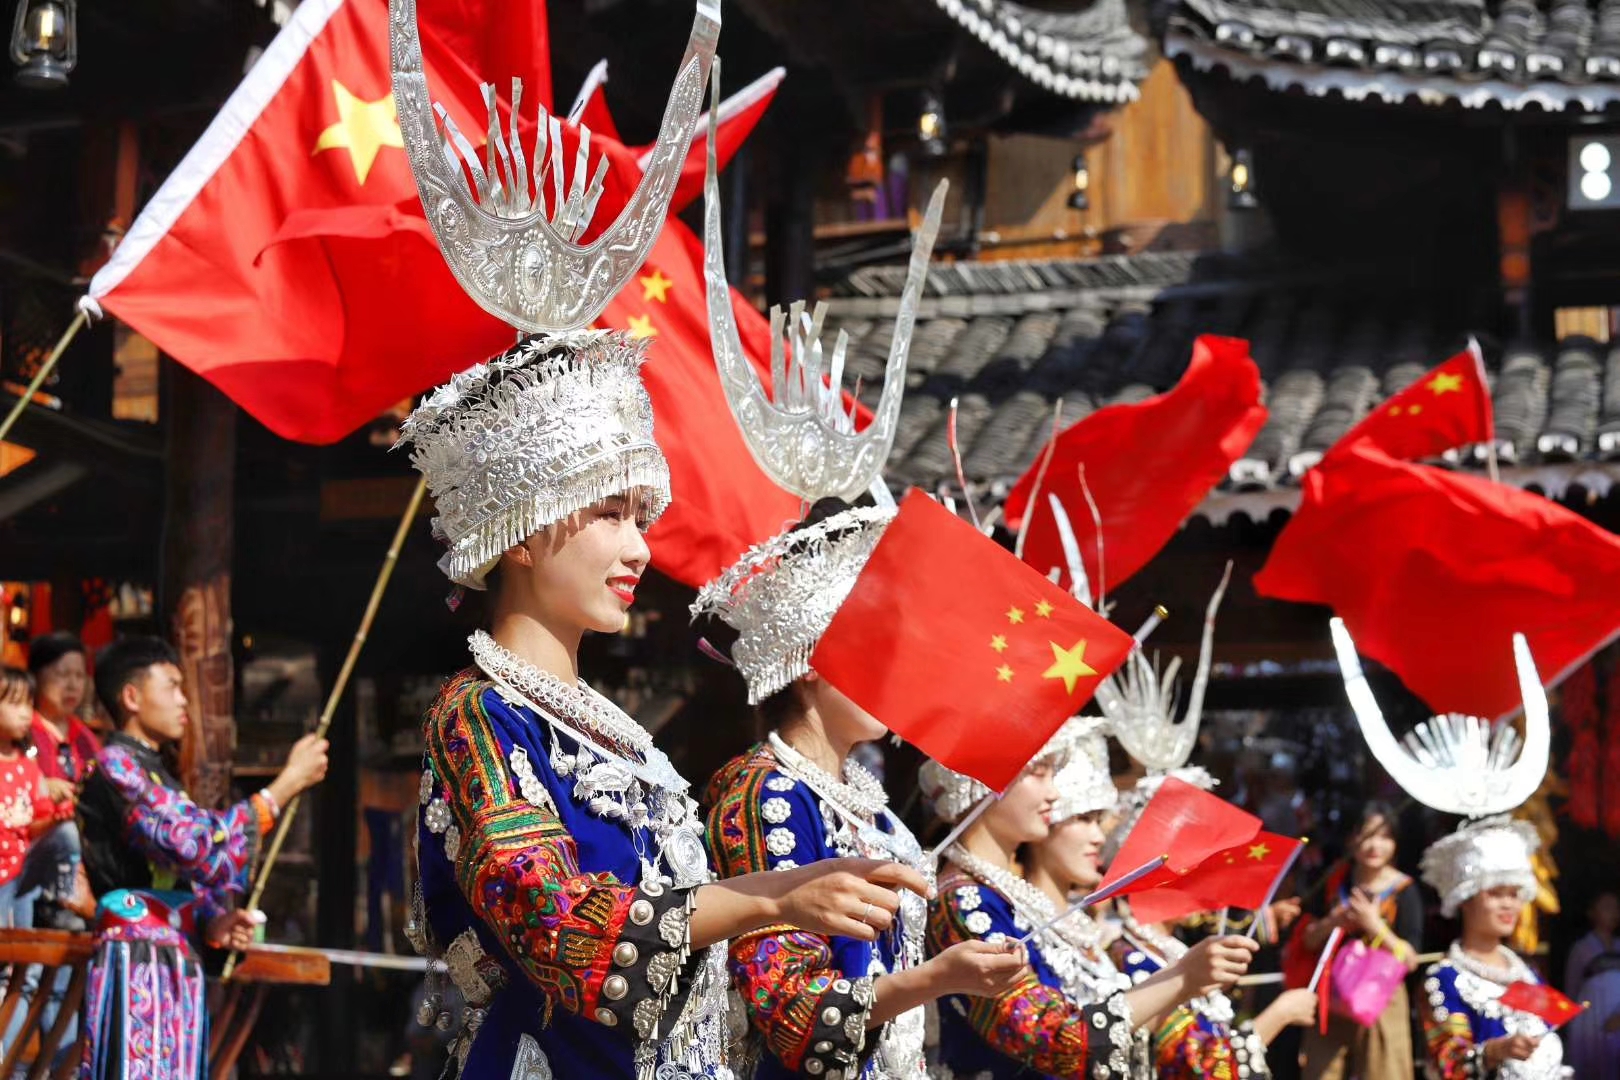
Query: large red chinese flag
(315, 340)
(946, 637)
(1186, 823)
(1539, 999)
(1239, 876)
(1148, 465)
(1434, 571)
(1446, 408)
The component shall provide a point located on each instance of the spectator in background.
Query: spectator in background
(64, 748)
(25, 808)
(1592, 974)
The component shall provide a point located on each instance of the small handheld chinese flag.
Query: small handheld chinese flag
(1240, 876)
(1445, 408)
(947, 638)
(1188, 824)
(1541, 1000)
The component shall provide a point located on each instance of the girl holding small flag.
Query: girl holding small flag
(822, 1005)
(1036, 1025)
(1202, 1038)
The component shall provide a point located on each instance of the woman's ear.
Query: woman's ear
(520, 554)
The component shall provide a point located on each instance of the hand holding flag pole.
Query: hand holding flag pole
(1259, 912)
(1106, 892)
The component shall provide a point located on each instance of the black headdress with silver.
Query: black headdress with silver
(1479, 769)
(782, 594)
(562, 420)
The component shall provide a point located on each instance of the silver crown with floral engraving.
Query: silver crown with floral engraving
(1083, 780)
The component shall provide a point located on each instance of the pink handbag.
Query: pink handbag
(1363, 981)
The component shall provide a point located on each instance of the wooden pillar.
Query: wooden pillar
(196, 586)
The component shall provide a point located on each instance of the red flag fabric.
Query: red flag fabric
(1186, 823)
(208, 273)
(945, 632)
(1148, 465)
(1539, 999)
(1434, 571)
(1448, 407)
(1240, 876)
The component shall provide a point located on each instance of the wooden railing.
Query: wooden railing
(234, 1007)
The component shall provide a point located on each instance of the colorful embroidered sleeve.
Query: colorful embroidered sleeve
(212, 851)
(1031, 1023)
(812, 1015)
(615, 953)
(1187, 1045)
(1447, 1030)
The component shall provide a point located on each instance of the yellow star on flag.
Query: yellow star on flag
(1413, 410)
(1069, 664)
(1043, 609)
(1259, 852)
(641, 327)
(1015, 615)
(1394, 410)
(363, 129)
(998, 643)
(1444, 383)
(655, 286)
(1004, 673)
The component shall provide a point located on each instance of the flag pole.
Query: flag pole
(44, 372)
(1271, 893)
(1106, 892)
(961, 827)
(336, 695)
(1327, 954)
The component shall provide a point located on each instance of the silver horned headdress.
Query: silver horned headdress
(948, 793)
(1464, 765)
(782, 594)
(562, 420)
(1083, 780)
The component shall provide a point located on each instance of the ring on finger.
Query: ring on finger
(865, 911)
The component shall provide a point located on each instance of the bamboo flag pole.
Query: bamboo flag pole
(336, 695)
(44, 372)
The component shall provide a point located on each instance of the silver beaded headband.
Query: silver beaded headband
(1083, 781)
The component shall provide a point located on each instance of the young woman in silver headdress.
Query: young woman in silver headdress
(1481, 770)
(562, 878)
(1036, 1026)
(822, 1005)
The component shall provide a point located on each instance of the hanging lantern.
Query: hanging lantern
(1241, 195)
(1080, 197)
(45, 42)
(931, 126)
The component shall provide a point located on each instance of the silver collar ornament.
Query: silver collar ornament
(1478, 769)
(782, 594)
(561, 421)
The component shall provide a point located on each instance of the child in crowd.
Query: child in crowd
(25, 808)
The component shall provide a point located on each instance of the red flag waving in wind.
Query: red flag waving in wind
(1434, 571)
(945, 632)
(1148, 465)
(1186, 823)
(1541, 1000)
(1240, 876)
(1445, 408)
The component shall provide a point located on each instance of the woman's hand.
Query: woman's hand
(1364, 914)
(59, 790)
(1284, 913)
(853, 898)
(1217, 963)
(978, 968)
(233, 930)
(1293, 1008)
(1510, 1048)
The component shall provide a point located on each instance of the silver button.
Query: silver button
(814, 1066)
(605, 1017)
(641, 913)
(823, 1047)
(614, 987)
(652, 887)
(625, 954)
(841, 985)
(831, 1016)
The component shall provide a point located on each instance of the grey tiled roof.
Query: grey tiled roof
(1010, 339)
(1558, 54)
